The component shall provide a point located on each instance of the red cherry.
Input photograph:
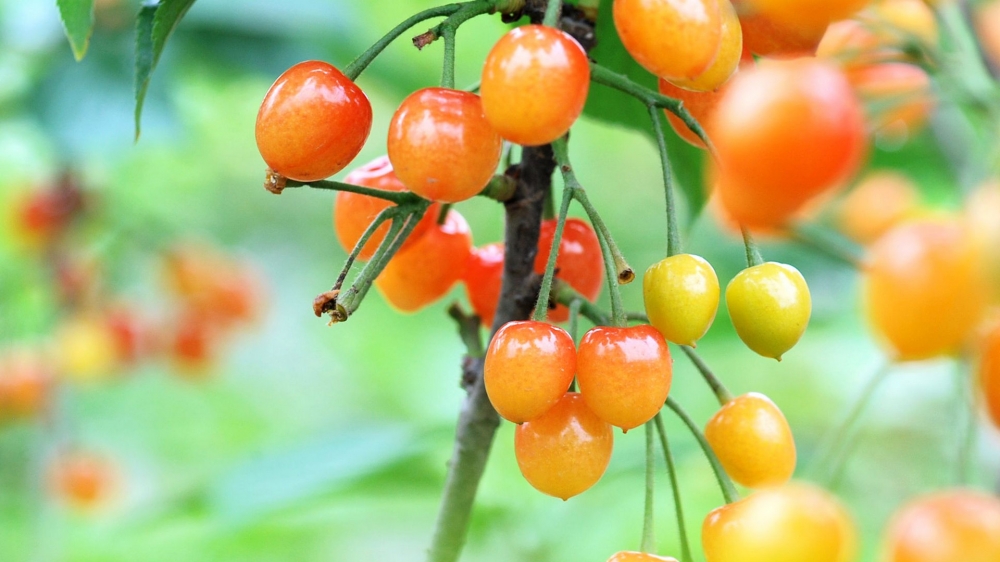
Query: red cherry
(483, 278)
(312, 122)
(579, 263)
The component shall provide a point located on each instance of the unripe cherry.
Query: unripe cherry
(769, 305)
(681, 294)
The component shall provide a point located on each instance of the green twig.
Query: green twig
(443, 213)
(648, 528)
(719, 389)
(397, 197)
(542, 304)
(355, 69)
(574, 317)
(469, 329)
(753, 251)
(673, 231)
(386, 214)
(675, 488)
(725, 483)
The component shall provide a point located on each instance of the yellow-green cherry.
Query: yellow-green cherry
(769, 305)
(682, 296)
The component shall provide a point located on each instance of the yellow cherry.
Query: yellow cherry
(682, 296)
(752, 439)
(769, 305)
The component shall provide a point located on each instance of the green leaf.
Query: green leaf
(154, 25)
(619, 108)
(78, 21)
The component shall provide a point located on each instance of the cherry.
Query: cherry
(441, 145)
(221, 288)
(630, 556)
(791, 523)
(880, 201)
(850, 43)
(947, 526)
(579, 262)
(83, 480)
(312, 122)
(767, 37)
(769, 305)
(987, 23)
(807, 13)
(353, 212)
(681, 294)
(901, 94)
(193, 345)
(785, 132)
(566, 450)
(529, 367)
(483, 279)
(25, 384)
(424, 272)
(728, 58)
(982, 207)
(624, 373)
(752, 439)
(673, 39)
(924, 288)
(88, 349)
(535, 83)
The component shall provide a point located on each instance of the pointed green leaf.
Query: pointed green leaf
(78, 21)
(168, 15)
(154, 25)
(616, 107)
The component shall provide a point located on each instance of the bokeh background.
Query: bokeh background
(300, 441)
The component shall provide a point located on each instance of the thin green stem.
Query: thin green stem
(725, 483)
(386, 214)
(624, 274)
(830, 244)
(673, 230)
(719, 389)
(618, 316)
(622, 83)
(359, 64)
(448, 70)
(648, 527)
(552, 12)
(566, 295)
(501, 188)
(397, 197)
(574, 317)
(542, 305)
(675, 489)
(837, 439)
(443, 213)
(753, 252)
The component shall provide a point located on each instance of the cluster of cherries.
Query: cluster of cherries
(99, 337)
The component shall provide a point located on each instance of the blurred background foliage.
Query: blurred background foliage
(304, 442)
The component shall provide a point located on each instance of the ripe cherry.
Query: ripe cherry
(987, 22)
(313, 122)
(624, 373)
(193, 345)
(880, 201)
(441, 145)
(681, 294)
(900, 95)
(529, 367)
(769, 305)
(566, 450)
(807, 13)
(752, 439)
(84, 481)
(982, 207)
(947, 526)
(792, 523)
(424, 272)
(579, 263)
(535, 83)
(630, 556)
(728, 58)
(785, 132)
(221, 288)
(673, 39)
(767, 37)
(25, 384)
(483, 279)
(924, 288)
(353, 212)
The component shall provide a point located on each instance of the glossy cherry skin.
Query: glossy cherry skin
(954, 525)
(880, 201)
(764, 36)
(807, 13)
(681, 294)
(785, 132)
(441, 145)
(529, 367)
(631, 556)
(673, 39)
(752, 439)
(313, 122)
(924, 288)
(579, 263)
(483, 279)
(792, 523)
(624, 373)
(535, 83)
(769, 305)
(566, 450)
(728, 57)
(424, 272)
(353, 212)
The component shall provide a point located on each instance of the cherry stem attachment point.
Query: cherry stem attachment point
(725, 483)
(675, 488)
(673, 231)
(753, 251)
(648, 527)
(719, 389)
(443, 213)
(553, 10)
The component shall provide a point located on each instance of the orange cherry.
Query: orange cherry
(630, 556)
(85, 481)
(441, 145)
(529, 367)
(767, 37)
(312, 122)
(880, 201)
(624, 373)
(25, 384)
(566, 450)
(673, 39)
(424, 272)
(353, 212)
(579, 263)
(728, 58)
(900, 94)
(752, 439)
(483, 279)
(954, 525)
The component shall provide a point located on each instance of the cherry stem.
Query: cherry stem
(397, 197)
(648, 527)
(552, 12)
(448, 63)
(829, 243)
(443, 213)
(725, 483)
(359, 64)
(835, 447)
(386, 214)
(501, 188)
(622, 83)
(966, 408)
(673, 232)
(624, 274)
(719, 389)
(542, 304)
(574, 317)
(753, 251)
(564, 294)
(675, 488)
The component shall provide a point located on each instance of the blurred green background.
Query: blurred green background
(317, 443)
